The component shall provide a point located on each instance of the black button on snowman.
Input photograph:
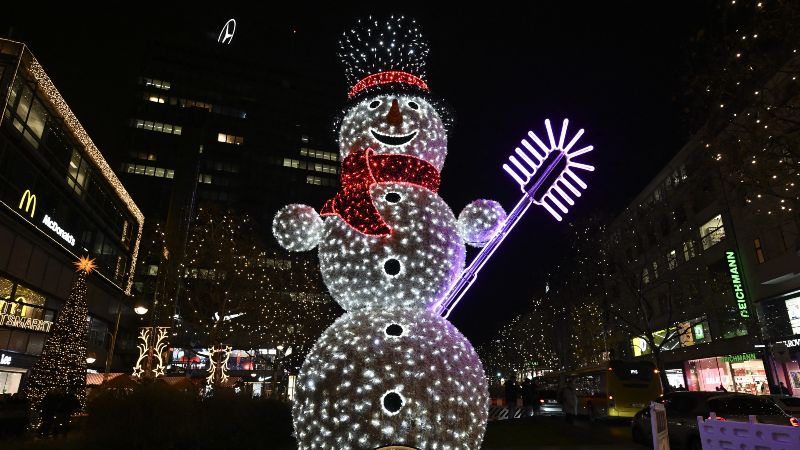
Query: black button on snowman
(390, 371)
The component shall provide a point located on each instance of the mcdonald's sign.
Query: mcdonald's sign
(28, 199)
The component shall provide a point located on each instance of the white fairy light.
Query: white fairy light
(419, 130)
(297, 227)
(391, 371)
(480, 221)
(430, 386)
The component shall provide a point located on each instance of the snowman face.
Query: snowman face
(404, 124)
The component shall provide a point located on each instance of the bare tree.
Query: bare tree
(239, 293)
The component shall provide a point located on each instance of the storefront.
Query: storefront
(735, 373)
(786, 364)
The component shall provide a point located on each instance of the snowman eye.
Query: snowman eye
(413, 105)
(375, 104)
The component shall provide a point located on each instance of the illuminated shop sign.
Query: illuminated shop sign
(790, 342)
(53, 225)
(29, 201)
(5, 360)
(736, 280)
(27, 204)
(739, 358)
(26, 323)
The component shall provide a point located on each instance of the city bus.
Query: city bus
(612, 389)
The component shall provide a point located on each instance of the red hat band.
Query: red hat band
(394, 76)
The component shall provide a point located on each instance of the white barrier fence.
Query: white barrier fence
(729, 435)
(504, 412)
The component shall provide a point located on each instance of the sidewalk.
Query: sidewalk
(550, 433)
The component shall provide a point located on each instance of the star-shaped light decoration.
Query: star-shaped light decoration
(84, 263)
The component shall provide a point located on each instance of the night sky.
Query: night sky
(613, 68)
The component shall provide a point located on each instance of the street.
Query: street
(543, 433)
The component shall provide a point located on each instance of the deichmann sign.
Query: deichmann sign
(736, 280)
(27, 203)
(739, 358)
(26, 323)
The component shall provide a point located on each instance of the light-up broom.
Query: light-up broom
(546, 176)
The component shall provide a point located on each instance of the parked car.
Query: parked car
(787, 403)
(548, 403)
(684, 407)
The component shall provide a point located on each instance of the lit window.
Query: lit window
(688, 250)
(712, 232)
(759, 251)
(230, 139)
(645, 276)
(157, 126)
(78, 174)
(672, 259)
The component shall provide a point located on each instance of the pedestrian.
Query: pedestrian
(782, 389)
(512, 392)
(721, 388)
(681, 388)
(528, 399)
(569, 401)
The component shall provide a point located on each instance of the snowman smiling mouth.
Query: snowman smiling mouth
(389, 139)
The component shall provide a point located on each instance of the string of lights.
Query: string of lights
(61, 367)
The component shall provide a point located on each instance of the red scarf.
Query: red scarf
(362, 169)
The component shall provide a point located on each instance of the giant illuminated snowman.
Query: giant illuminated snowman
(391, 370)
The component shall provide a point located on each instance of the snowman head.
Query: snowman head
(397, 123)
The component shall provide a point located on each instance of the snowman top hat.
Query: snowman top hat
(387, 56)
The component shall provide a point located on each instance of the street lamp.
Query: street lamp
(141, 307)
(110, 355)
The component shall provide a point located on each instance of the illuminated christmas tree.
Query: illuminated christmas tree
(61, 368)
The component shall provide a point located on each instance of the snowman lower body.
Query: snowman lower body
(394, 376)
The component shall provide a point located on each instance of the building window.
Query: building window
(78, 173)
(140, 169)
(158, 126)
(645, 276)
(655, 270)
(712, 232)
(158, 84)
(293, 163)
(759, 251)
(230, 139)
(143, 156)
(151, 269)
(204, 178)
(320, 181)
(325, 168)
(156, 98)
(672, 259)
(688, 250)
(319, 154)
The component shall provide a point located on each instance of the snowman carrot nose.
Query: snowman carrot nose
(394, 117)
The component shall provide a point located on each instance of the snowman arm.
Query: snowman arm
(297, 227)
(480, 221)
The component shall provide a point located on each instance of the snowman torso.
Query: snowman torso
(412, 267)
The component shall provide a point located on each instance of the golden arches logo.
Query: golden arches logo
(31, 199)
